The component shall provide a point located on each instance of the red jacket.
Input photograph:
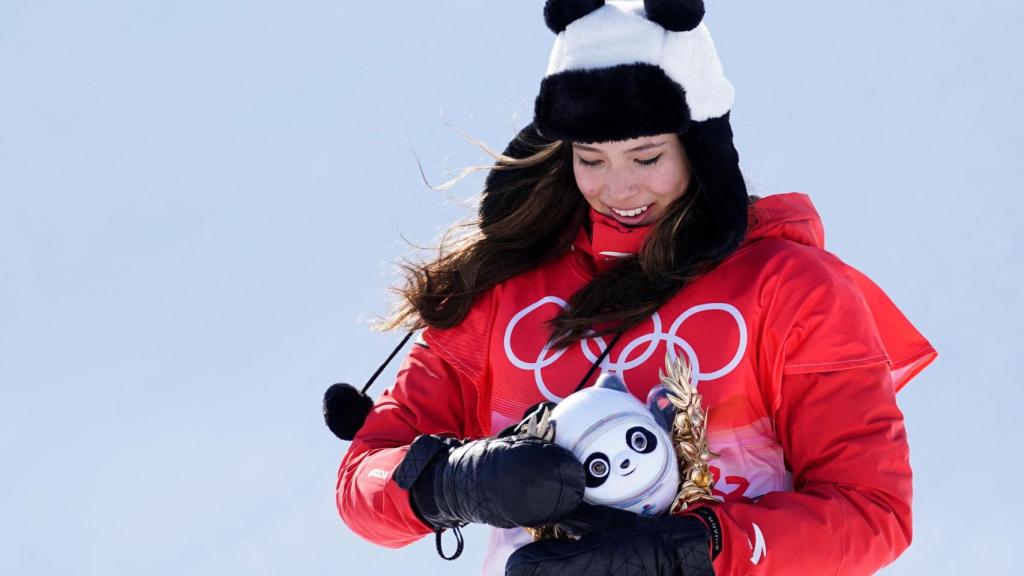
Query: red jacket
(797, 355)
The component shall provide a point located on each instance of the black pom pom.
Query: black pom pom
(345, 410)
(675, 15)
(560, 13)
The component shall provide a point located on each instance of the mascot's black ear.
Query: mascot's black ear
(560, 13)
(675, 15)
(661, 407)
(611, 381)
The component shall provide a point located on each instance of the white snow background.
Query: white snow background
(200, 203)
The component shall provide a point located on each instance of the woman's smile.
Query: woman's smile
(634, 217)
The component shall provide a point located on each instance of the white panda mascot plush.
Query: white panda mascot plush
(624, 446)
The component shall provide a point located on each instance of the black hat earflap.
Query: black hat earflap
(505, 189)
(560, 13)
(675, 15)
(345, 408)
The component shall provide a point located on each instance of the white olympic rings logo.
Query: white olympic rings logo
(623, 363)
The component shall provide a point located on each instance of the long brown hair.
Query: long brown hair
(440, 292)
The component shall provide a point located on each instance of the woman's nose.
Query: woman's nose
(620, 185)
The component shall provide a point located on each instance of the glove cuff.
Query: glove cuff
(713, 525)
(416, 473)
(421, 453)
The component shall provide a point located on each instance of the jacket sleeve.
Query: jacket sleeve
(832, 358)
(849, 513)
(429, 397)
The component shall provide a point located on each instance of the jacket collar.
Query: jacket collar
(790, 216)
(607, 240)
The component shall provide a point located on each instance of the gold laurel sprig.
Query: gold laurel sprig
(538, 424)
(689, 435)
(549, 532)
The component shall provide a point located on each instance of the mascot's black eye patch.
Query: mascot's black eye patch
(597, 467)
(641, 440)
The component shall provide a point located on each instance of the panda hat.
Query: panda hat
(628, 69)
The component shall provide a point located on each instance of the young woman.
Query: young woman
(618, 223)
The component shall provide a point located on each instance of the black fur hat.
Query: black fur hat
(629, 69)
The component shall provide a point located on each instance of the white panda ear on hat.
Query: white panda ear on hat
(675, 15)
(560, 13)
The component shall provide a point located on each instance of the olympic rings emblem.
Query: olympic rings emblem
(622, 363)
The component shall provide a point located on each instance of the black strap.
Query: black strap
(460, 544)
(388, 361)
(586, 378)
(593, 367)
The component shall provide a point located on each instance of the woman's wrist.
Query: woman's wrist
(713, 525)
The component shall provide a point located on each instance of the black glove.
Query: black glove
(662, 546)
(589, 518)
(505, 482)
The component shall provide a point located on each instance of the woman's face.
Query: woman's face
(632, 181)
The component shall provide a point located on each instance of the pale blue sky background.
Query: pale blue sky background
(200, 201)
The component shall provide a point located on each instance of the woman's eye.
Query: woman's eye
(589, 164)
(649, 162)
(641, 440)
